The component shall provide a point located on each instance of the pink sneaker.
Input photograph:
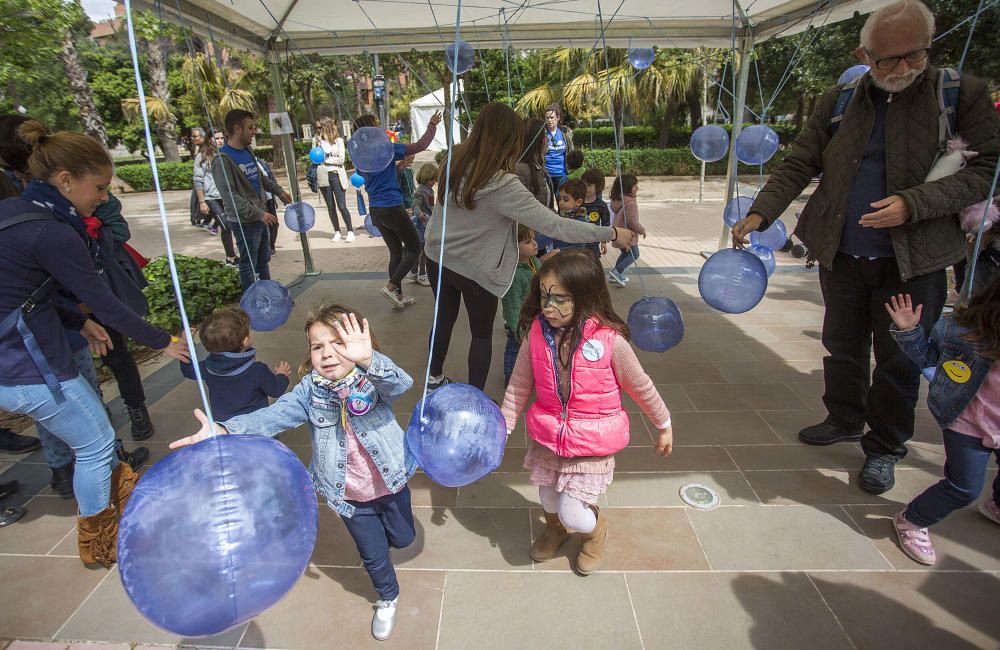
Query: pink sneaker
(990, 510)
(915, 541)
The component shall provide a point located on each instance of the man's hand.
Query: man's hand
(285, 197)
(745, 226)
(890, 211)
(203, 208)
(97, 338)
(269, 219)
(436, 118)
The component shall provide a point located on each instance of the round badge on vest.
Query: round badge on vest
(593, 350)
(358, 404)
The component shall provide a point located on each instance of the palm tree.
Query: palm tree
(150, 32)
(222, 89)
(76, 74)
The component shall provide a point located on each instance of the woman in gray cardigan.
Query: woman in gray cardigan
(486, 201)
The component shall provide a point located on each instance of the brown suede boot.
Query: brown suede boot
(123, 480)
(97, 537)
(555, 535)
(592, 549)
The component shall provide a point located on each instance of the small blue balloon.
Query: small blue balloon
(460, 436)
(732, 281)
(300, 216)
(268, 304)
(765, 255)
(736, 209)
(852, 73)
(774, 237)
(371, 149)
(466, 56)
(317, 155)
(216, 533)
(756, 144)
(357, 180)
(710, 142)
(656, 324)
(641, 57)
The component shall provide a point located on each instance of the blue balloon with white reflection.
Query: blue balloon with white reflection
(316, 155)
(641, 57)
(852, 73)
(357, 180)
(736, 209)
(756, 144)
(710, 143)
(371, 149)
(774, 237)
(216, 533)
(300, 216)
(765, 255)
(268, 303)
(466, 56)
(732, 281)
(656, 324)
(459, 437)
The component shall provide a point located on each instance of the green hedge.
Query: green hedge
(662, 162)
(173, 176)
(205, 284)
(639, 137)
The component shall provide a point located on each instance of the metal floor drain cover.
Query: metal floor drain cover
(699, 496)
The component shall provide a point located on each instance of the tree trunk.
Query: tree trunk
(166, 129)
(307, 95)
(668, 121)
(447, 107)
(618, 119)
(93, 123)
(693, 101)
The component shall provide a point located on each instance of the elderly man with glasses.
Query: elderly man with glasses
(877, 228)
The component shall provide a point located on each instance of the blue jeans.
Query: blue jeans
(377, 526)
(78, 420)
(964, 474)
(254, 242)
(626, 258)
(57, 452)
(510, 352)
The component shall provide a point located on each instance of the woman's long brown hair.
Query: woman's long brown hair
(982, 318)
(580, 274)
(493, 146)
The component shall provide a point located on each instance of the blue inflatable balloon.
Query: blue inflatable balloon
(710, 142)
(774, 237)
(466, 56)
(357, 180)
(371, 149)
(732, 280)
(268, 303)
(317, 155)
(656, 323)
(641, 57)
(765, 255)
(216, 533)
(929, 373)
(736, 209)
(852, 73)
(460, 437)
(756, 144)
(300, 216)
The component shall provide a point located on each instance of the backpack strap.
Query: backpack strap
(24, 218)
(949, 81)
(843, 100)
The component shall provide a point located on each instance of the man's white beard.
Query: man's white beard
(897, 83)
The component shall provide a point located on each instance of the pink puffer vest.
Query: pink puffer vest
(593, 422)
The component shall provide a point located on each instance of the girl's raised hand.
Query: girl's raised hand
(903, 314)
(355, 340)
(204, 432)
(665, 442)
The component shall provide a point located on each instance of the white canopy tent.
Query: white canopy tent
(421, 111)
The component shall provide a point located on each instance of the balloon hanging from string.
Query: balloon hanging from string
(466, 56)
(300, 216)
(710, 143)
(732, 281)
(641, 57)
(656, 324)
(765, 255)
(756, 144)
(371, 149)
(737, 208)
(773, 238)
(268, 303)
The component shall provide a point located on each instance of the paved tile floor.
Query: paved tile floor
(795, 556)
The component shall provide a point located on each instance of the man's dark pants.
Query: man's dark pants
(254, 242)
(854, 322)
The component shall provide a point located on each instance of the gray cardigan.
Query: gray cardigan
(481, 244)
(241, 200)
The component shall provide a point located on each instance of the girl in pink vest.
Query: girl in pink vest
(577, 358)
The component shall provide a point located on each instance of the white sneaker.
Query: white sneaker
(384, 619)
(616, 277)
(336, 237)
(423, 280)
(350, 236)
(407, 301)
(395, 300)
(412, 276)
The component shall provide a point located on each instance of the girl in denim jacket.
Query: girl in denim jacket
(360, 463)
(964, 398)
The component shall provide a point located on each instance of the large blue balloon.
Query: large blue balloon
(774, 237)
(216, 533)
(460, 437)
(852, 73)
(371, 149)
(268, 303)
(357, 180)
(317, 155)
(710, 142)
(656, 324)
(736, 209)
(300, 216)
(466, 56)
(756, 144)
(765, 255)
(641, 57)
(732, 280)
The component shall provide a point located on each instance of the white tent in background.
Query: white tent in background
(421, 111)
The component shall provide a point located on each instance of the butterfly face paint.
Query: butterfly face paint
(557, 303)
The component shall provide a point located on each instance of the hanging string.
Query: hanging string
(506, 55)
(968, 39)
(967, 285)
(990, 5)
(482, 63)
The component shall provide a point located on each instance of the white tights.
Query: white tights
(574, 514)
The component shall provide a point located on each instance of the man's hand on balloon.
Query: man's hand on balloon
(355, 340)
(743, 228)
(203, 433)
(665, 442)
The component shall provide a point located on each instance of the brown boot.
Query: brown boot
(123, 480)
(592, 549)
(555, 535)
(97, 537)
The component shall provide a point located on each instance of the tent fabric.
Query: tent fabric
(421, 111)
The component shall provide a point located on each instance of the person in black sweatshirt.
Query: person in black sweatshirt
(237, 383)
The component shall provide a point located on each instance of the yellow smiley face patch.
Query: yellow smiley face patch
(594, 216)
(957, 371)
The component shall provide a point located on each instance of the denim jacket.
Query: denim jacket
(377, 430)
(959, 369)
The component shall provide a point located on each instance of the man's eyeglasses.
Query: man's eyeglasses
(890, 62)
(557, 300)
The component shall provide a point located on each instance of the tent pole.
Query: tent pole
(289, 152)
